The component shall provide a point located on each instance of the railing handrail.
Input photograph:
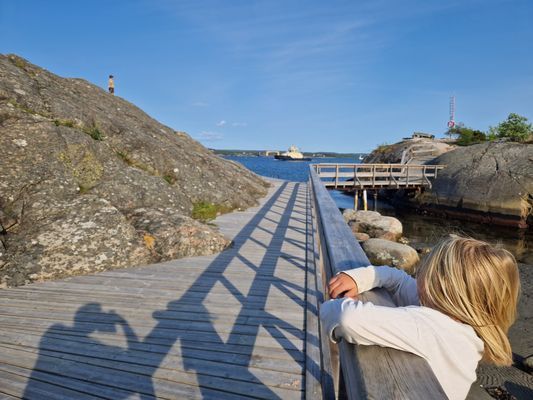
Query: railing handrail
(357, 176)
(368, 371)
(380, 165)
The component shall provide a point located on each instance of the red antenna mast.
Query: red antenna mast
(451, 122)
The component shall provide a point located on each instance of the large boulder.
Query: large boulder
(75, 236)
(172, 235)
(82, 171)
(491, 182)
(374, 224)
(385, 252)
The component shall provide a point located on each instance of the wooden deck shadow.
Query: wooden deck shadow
(130, 370)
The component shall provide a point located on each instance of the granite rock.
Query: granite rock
(80, 170)
(374, 224)
(385, 252)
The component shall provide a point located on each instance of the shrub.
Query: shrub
(382, 148)
(515, 128)
(467, 136)
(64, 122)
(94, 132)
(170, 179)
(204, 211)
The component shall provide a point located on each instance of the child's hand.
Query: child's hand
(342, 285)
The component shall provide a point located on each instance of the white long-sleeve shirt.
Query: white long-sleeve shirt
(452, 349)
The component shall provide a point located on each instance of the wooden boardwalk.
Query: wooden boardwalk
(230, 325)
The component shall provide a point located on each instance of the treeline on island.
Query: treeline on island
(515, 129)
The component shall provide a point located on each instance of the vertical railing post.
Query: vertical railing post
(336, 175)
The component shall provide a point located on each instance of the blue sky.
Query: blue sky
(324, 75)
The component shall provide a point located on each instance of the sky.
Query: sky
(336, 75)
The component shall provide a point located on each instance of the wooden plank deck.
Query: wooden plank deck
(231, 325)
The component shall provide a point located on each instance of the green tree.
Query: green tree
(467, 136)
(515, 127)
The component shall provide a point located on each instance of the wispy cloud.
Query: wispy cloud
(209, 136)
(222, 122)
(241, 124)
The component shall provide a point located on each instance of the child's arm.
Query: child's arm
(401, 286)
(368, 324)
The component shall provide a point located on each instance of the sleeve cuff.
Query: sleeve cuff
(364, 277)
(330, 314)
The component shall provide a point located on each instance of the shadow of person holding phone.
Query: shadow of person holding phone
(71, 357)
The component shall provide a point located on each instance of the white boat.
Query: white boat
(293, 154)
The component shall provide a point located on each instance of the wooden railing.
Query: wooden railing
(358, 372)
(376, 176)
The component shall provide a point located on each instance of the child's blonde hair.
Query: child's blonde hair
(476, 284)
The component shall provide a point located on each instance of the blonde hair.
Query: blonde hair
(476, 284)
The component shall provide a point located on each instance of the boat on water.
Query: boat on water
(293, 154)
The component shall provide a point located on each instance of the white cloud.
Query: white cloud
(222, 123)
(200, 104)
(239, 124)
(209, 136)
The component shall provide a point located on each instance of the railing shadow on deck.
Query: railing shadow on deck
(143, 357)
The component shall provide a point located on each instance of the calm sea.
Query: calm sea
(297, 171)
(417, 228)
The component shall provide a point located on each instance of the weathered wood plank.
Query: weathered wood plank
(49, 386)
(193, 312)
(106, 383)
(139, 321)
(125, 309)
(160, 346)
(194, 297)
(177, 370)
(313, 365)
(144, 354)
(164, 334)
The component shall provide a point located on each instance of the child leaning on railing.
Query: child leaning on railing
(456, 313)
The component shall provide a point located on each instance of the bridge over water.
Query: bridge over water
(239, 324)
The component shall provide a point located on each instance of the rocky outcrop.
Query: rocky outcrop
(417, 151)
(89, 182)
(489, 182)
(385, 252)
(373, 224)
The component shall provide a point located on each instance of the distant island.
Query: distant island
(260, 153)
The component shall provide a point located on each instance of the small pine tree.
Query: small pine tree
(515, 128)
(467, 136)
